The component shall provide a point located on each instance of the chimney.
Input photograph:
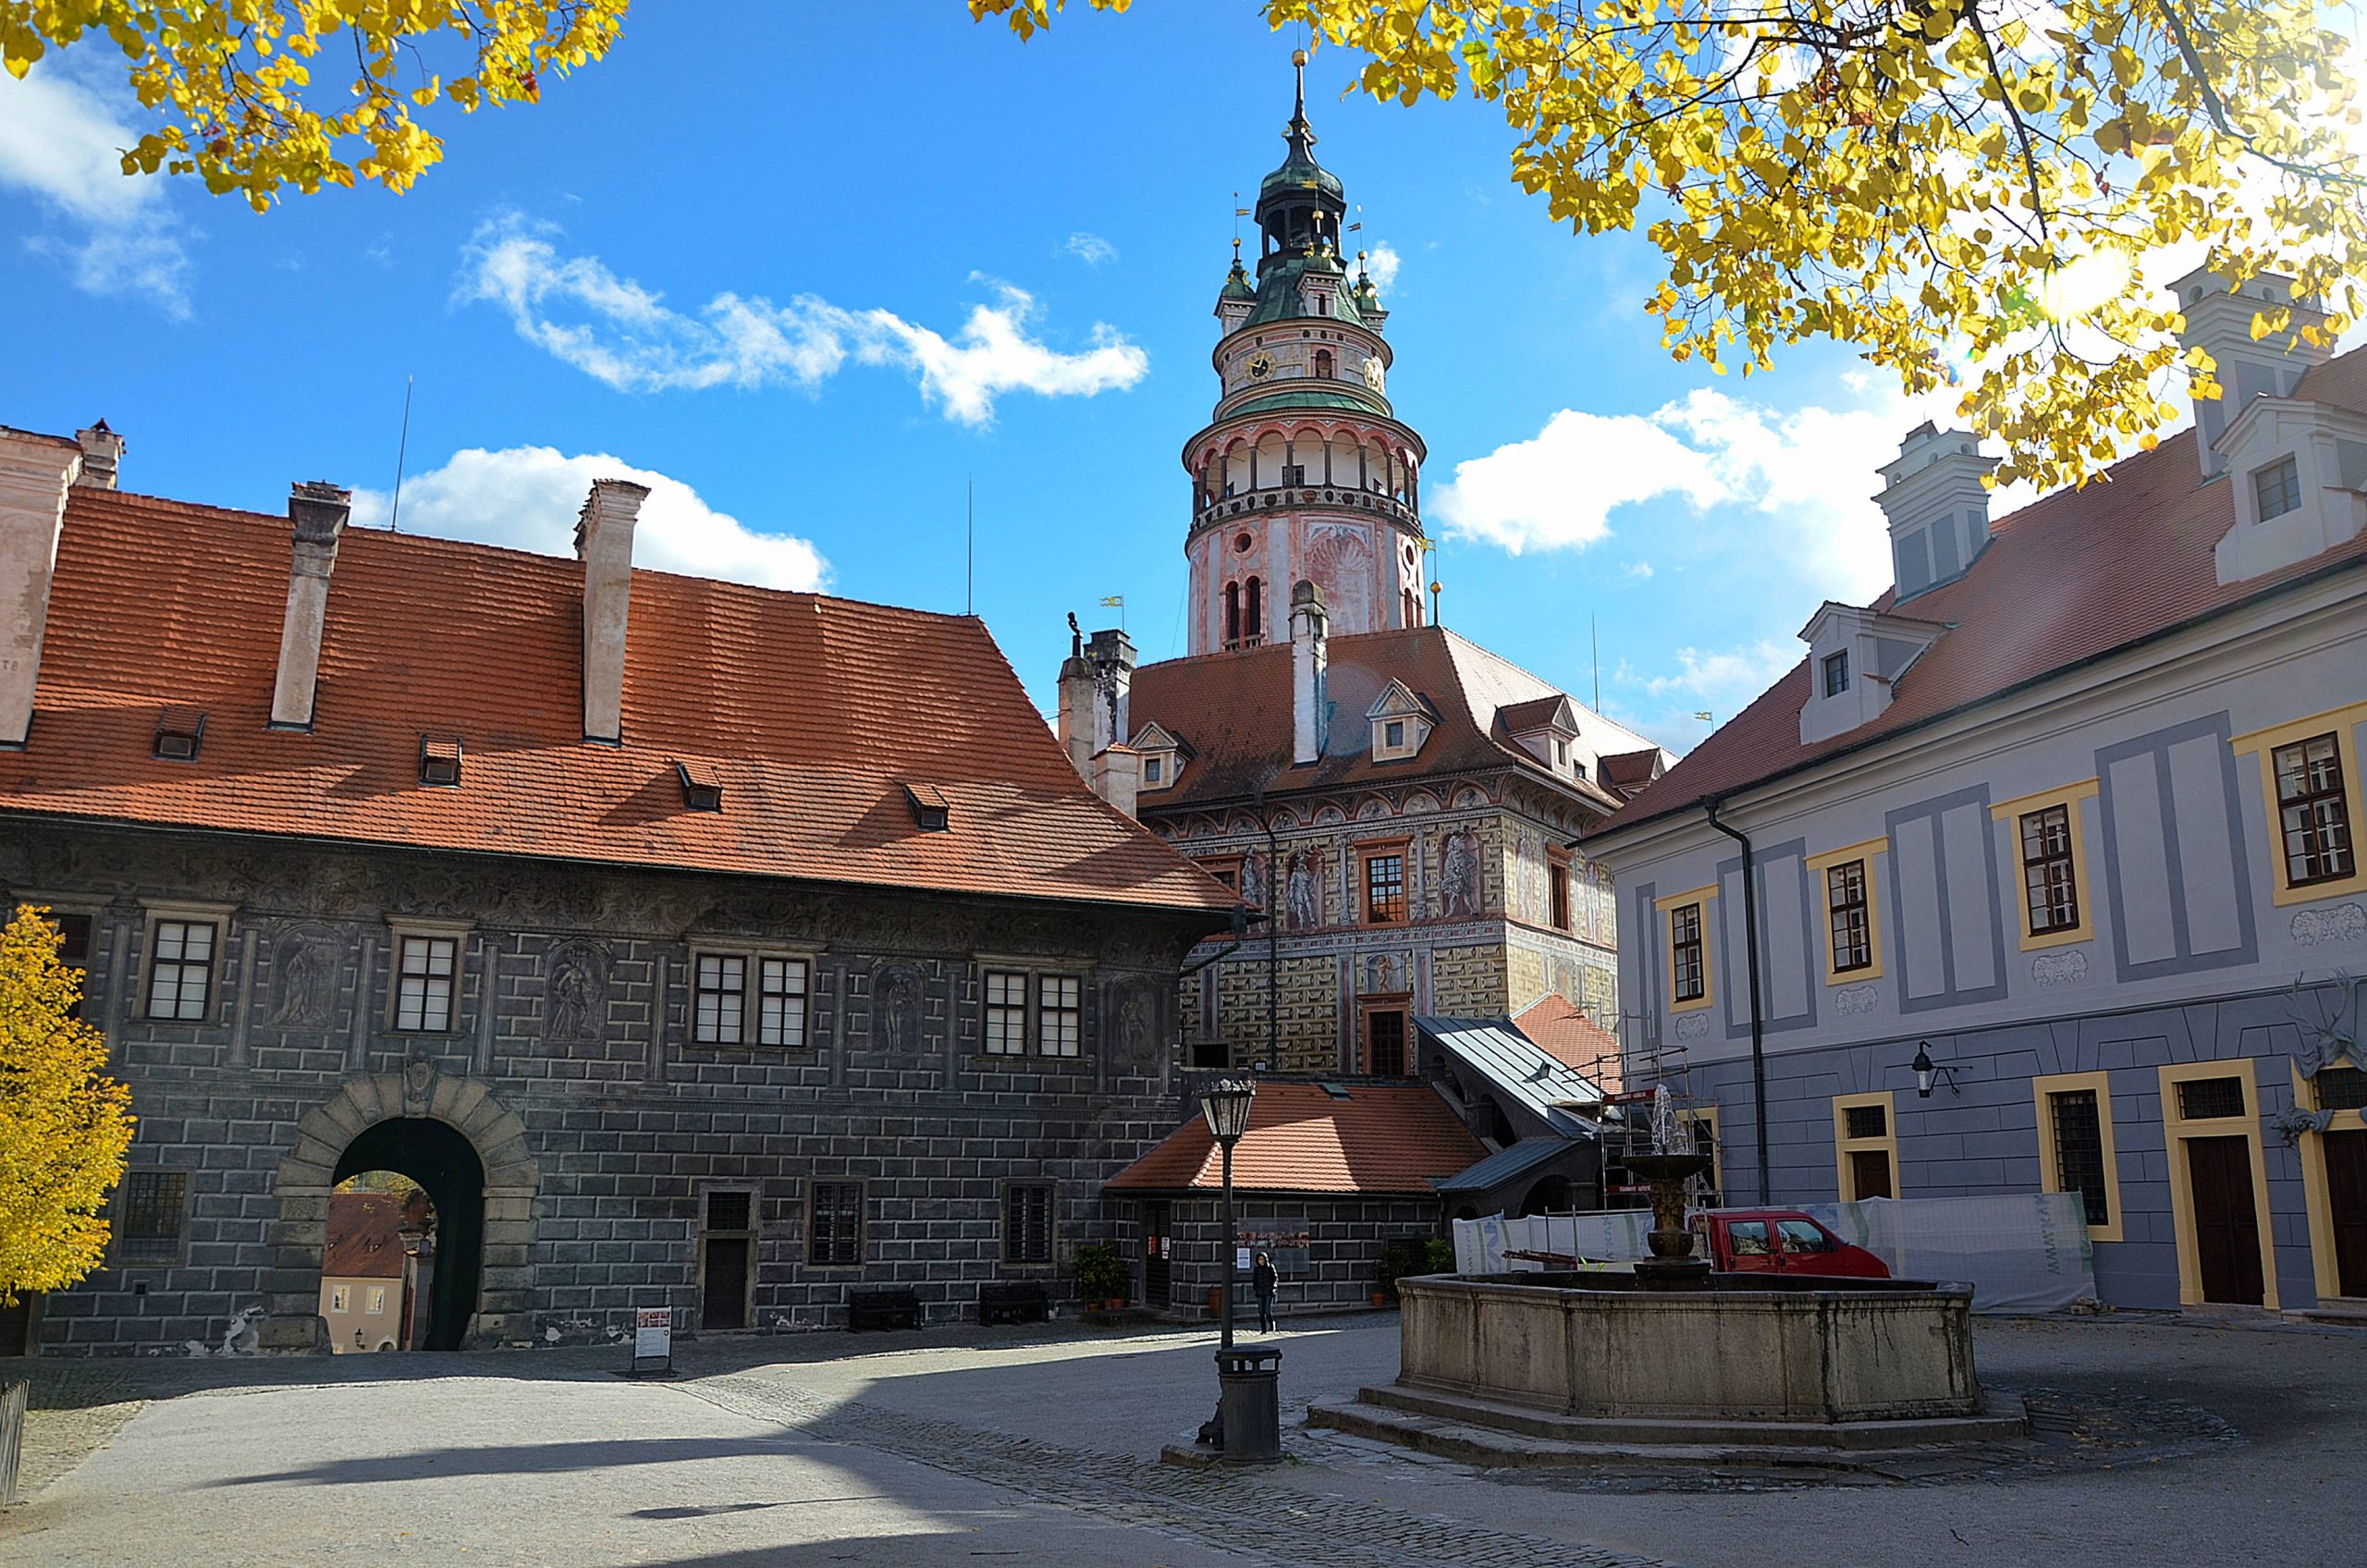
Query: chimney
(35, 473)
(1118, 777)
(2219, 323)
(101, 456)
(1310, 720)
(1097, 683)
(1937, 506)
(317, 512)
(603, 544)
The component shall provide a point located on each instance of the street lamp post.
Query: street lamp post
(1247, 1427)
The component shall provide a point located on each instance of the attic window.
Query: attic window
(1155, 769)
(1836, 673)
(178, 730)
(2278, 487)
(931, 812)
(439, 761)
(701, 791)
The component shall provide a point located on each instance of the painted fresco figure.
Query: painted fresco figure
(1459, 876)
(1306, 894)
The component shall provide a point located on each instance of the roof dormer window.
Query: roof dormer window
(931, 812)
(2278, 487)
(1836, 673)
(1164, 757)
(1400, 723)
(701, 791)
(439, 761)
(179, 729)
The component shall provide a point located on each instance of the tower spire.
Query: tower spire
(1299, 134)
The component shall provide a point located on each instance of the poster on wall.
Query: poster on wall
(1284, 1237)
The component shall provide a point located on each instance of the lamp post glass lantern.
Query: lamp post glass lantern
(1246, 1429)
(1225, 1103)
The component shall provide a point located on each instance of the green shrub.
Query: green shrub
(1412, 1254)
(1101, 1273)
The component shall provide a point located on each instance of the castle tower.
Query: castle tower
(1304, 472)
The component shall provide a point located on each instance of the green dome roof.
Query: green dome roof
(1236, 283)
(1301, 172)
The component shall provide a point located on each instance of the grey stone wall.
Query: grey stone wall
(1345, 1236)
(625, 1122)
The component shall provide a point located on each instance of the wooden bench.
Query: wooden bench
(1013, 1301)
(898, 1307)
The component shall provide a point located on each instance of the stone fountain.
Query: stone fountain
(1675, 1361)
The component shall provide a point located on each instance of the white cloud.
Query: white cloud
(1732, 675)
(614, 329)
(1812, 470)
(1090, 249)
(61, 144)
(1642, 570)
(1382, 261)
(528, 499)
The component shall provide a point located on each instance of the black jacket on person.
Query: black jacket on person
(1262, 1279)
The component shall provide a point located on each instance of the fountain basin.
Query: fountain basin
(1747, 1348)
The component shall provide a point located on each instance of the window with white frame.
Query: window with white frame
(722, 1002)
(1006, 1013)
(781, 1002)
(340, 1298)
(2277, 488)
(375, 1301)
(1060, 1015)
(180, 969)
(424, 971)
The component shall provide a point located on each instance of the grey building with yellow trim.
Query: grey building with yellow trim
(2071, 817)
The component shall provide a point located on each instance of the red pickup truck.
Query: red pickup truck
(1781, 1241)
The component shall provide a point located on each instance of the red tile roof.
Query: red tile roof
(1234, 711)
(1305, 1138)
(1558, 1028)
(2074, 575)
(365, 1239)
(813, 712)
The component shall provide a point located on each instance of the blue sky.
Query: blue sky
(817, 273)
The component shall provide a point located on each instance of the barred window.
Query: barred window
(722, 999)
(1061, 1014)
(1866, 1121)
(2050, 881)
(1684, 952)
(1845, 891)
(152, 1218)
(181, 973)
(2341, 1088)
(2314, 812)
(1006, 1014)
(2207, 1099)
(2079, 1151)
(835, 1228)
(423, 985)
(781, 1002)
(1028, 1223)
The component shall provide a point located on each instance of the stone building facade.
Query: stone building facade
(1399, 800)
(792, 989)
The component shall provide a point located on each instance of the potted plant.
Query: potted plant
(1101, 1275)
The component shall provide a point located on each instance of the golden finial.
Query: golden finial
(1298, 57)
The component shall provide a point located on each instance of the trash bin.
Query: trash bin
(1249, 1403)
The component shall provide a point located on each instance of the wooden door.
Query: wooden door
(1869, 1173)
(1156, 1288)
(2346, 1155)
(2227, 1227)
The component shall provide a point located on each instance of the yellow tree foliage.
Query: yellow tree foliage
(64, 1124)
(232, 81)
(1964, 189)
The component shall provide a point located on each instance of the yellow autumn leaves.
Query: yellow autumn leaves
(64, 1124)
(1915, 177)
(256, 95)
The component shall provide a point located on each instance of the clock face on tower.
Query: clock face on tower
(1373, 374)
(1261, 366)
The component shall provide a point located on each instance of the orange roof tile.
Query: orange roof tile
(1562, 1030)
(2071, 577)
(364, 1236)
(1305, 1138)
(812, 712)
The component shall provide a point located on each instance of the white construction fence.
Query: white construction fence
(2025, 1252)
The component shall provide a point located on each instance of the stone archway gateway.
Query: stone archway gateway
(420, 1117)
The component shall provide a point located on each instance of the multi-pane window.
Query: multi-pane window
(1557, 884)
(340, 1298)
(2278, 487)
(153, 1213)
(1027, 1222)
(1384, 889)
(1392, 733)
(1845, 898)
(1386, 1052)
(2341, 1088)
(181, 973)
(1152, 768)
(2210, 1099)
(1866, 1121)
(2079, 1151)
(1690, 979)
(2050, 880)
(2313, 811)
(835, 1228)
(781, 1002)
(722, 999)
(1059, 1015)
(423, 983)
(1006, 1014)
(74, 949)
(1836, 673)
(375, 1300)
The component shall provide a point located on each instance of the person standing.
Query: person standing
(1262, 1280)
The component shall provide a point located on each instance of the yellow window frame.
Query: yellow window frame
(1665, 911)
(1817, 865)
(2344, 722)
(2083, 886)
(2314, 1196)
(2175, 1129)
(1844, 1146)
(2050, 1169)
